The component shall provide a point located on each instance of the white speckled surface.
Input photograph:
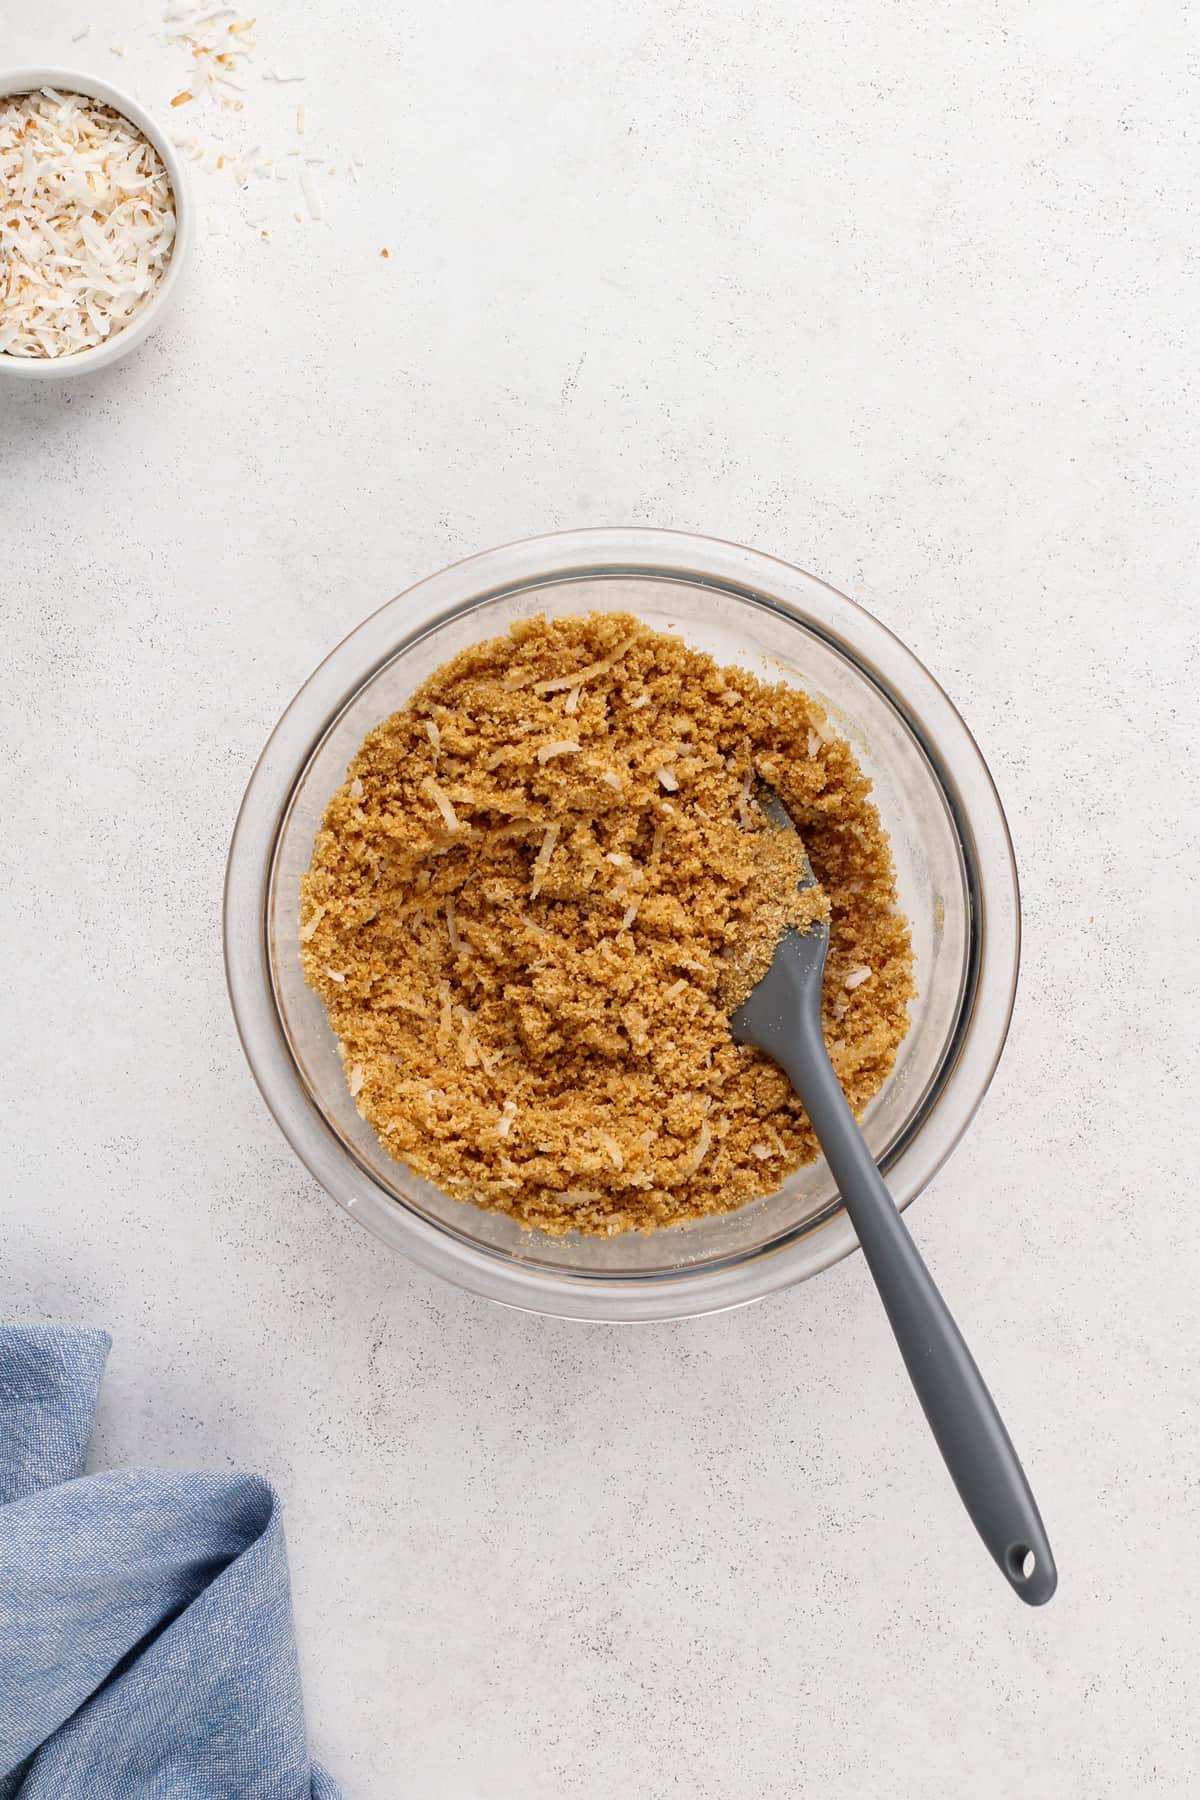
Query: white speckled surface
(899, 293)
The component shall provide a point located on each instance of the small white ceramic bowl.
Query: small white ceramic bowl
(86, 362)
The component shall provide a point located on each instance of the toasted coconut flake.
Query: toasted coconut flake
(631, 913)
(579, 1196)
(856, 977)
(613, 1149)
(431, 728)
(505, 1122)
(667, 779)
(542, 860)
(762, 1151)
(356, 1081)
(703, 1143)
(572, 700)
(559, 747)
(676, 988)
(309, 928)
(611, 779)
(356, 788)
(338, 975)
(589, 674)
(456, 942)
(746, 809)
(441, 800)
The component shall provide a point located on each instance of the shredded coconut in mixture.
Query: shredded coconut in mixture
(87, 221)
(529, 943)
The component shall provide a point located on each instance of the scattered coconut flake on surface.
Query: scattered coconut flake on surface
(612, 780)
(762, 1151)
(559, 747)
(434, 735)
(579, 1196)
(856, 977)
(504, 1123)
(441, 800)
(218, 45)
(338, 975)
(356, 788)
(282, 76)
(86, 227)
(356, 1081)
(308, 929)
(676, 988)
(631, 913)
(667, 779)
(312, 199)
(572, 699)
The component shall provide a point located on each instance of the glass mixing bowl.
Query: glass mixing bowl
(954, 864)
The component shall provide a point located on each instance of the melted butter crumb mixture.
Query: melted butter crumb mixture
(539, 894)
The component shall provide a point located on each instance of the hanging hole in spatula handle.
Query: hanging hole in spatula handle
(1034, 1578)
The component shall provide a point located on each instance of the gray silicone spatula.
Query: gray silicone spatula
(782, 1017)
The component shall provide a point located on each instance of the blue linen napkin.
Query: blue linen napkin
(146, 1643)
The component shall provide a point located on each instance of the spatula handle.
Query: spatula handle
(961, 1412)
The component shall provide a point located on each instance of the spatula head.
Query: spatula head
(789, 994)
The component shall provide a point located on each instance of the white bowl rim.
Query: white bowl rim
(688, 1292)
(121, 343)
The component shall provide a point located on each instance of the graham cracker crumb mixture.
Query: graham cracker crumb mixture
(539, 894)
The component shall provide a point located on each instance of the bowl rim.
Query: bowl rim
(121, 343)
(955, 759)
